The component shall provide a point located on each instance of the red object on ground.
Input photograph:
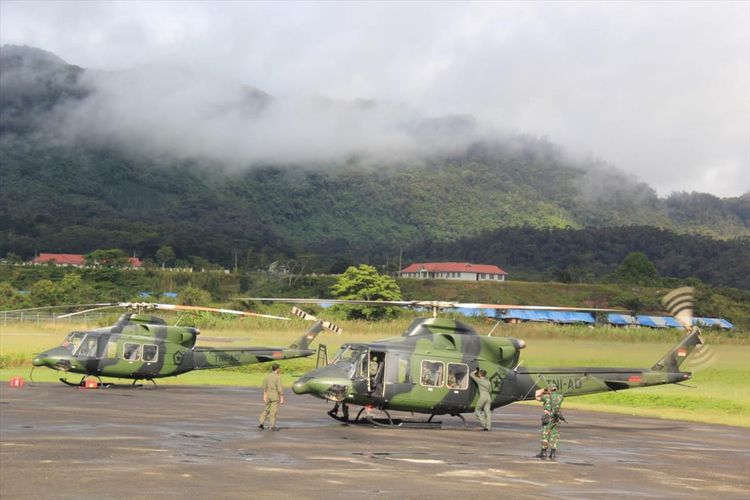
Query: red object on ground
(17, 382)
(91, 383)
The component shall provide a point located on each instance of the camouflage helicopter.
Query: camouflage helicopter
(140, 346)
(426, 369)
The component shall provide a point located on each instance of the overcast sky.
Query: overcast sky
(659, 90)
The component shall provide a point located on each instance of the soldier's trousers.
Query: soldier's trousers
(483, 413)
(272, 407)
(550, 433)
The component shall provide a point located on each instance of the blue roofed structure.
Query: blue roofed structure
(621, 320)
(713, 322)
(658, 321)
(566, 317)
(664, 321)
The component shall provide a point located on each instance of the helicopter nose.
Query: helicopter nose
(301, 386)
(38, 361)
(326, 388)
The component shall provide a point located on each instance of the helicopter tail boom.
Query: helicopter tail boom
(580, 381)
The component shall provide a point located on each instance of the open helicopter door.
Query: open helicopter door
(376, 369)
(322, 356)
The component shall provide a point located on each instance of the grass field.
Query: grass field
(721, 392)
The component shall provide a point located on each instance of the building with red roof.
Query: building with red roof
(454, 271)
(73, 259)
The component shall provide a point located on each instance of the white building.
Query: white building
(454, 271)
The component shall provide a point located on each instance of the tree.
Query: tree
(72, 290)
(636, 268)
(165, 254)
(113, 257)
(364, 283)
(13, 258)
(194, 296)
(44, 293)
(9, 297)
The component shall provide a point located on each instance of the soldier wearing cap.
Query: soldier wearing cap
(273, 396)
(552, 401)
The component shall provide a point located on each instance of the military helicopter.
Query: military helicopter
(140, 346)
(426, 370)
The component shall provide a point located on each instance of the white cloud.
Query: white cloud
(661, 90)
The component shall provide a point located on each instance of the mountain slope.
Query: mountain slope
(77, 194)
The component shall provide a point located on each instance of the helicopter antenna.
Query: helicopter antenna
(497, 323)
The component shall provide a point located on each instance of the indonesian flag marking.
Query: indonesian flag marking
(635, 378)
(682, 352)
(278, 354)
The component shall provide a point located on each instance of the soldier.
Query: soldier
(273, 396)
(552, 401)
(483, 409)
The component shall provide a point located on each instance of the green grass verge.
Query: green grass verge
(721, 394)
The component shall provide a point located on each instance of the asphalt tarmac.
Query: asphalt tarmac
(202, 442)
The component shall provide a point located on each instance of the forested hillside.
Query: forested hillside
(495, 201)
(592, 254)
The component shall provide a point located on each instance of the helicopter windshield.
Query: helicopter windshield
(348, 359)
(81, 344)
(73, 340)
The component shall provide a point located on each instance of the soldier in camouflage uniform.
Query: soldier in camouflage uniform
(552, 401)
(273, 396)
(483, 410)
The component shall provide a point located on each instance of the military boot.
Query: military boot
(552, 454)
(542, 454)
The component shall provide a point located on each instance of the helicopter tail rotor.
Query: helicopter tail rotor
(679, 303)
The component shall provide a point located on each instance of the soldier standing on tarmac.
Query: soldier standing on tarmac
(552, 401)
(483, 410)
(273, 396)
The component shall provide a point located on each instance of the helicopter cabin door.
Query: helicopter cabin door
(376, 367)
(396, 375)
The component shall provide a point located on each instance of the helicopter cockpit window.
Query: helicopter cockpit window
(150, 353)
(432, 373)
(87, 348)
(131, 352)
(73, 340)
(348, 359)
(458, 376)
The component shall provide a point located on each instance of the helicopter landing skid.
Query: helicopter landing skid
(136, 384)
(366, 417)
(71, 384)
(82, 382)
(463, 420)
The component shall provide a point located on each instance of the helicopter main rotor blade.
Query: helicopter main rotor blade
(536, 308)
(309, 317)
(108, 306)
(176, 307)
(69, 306)
(431, 304)
(402, 303)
